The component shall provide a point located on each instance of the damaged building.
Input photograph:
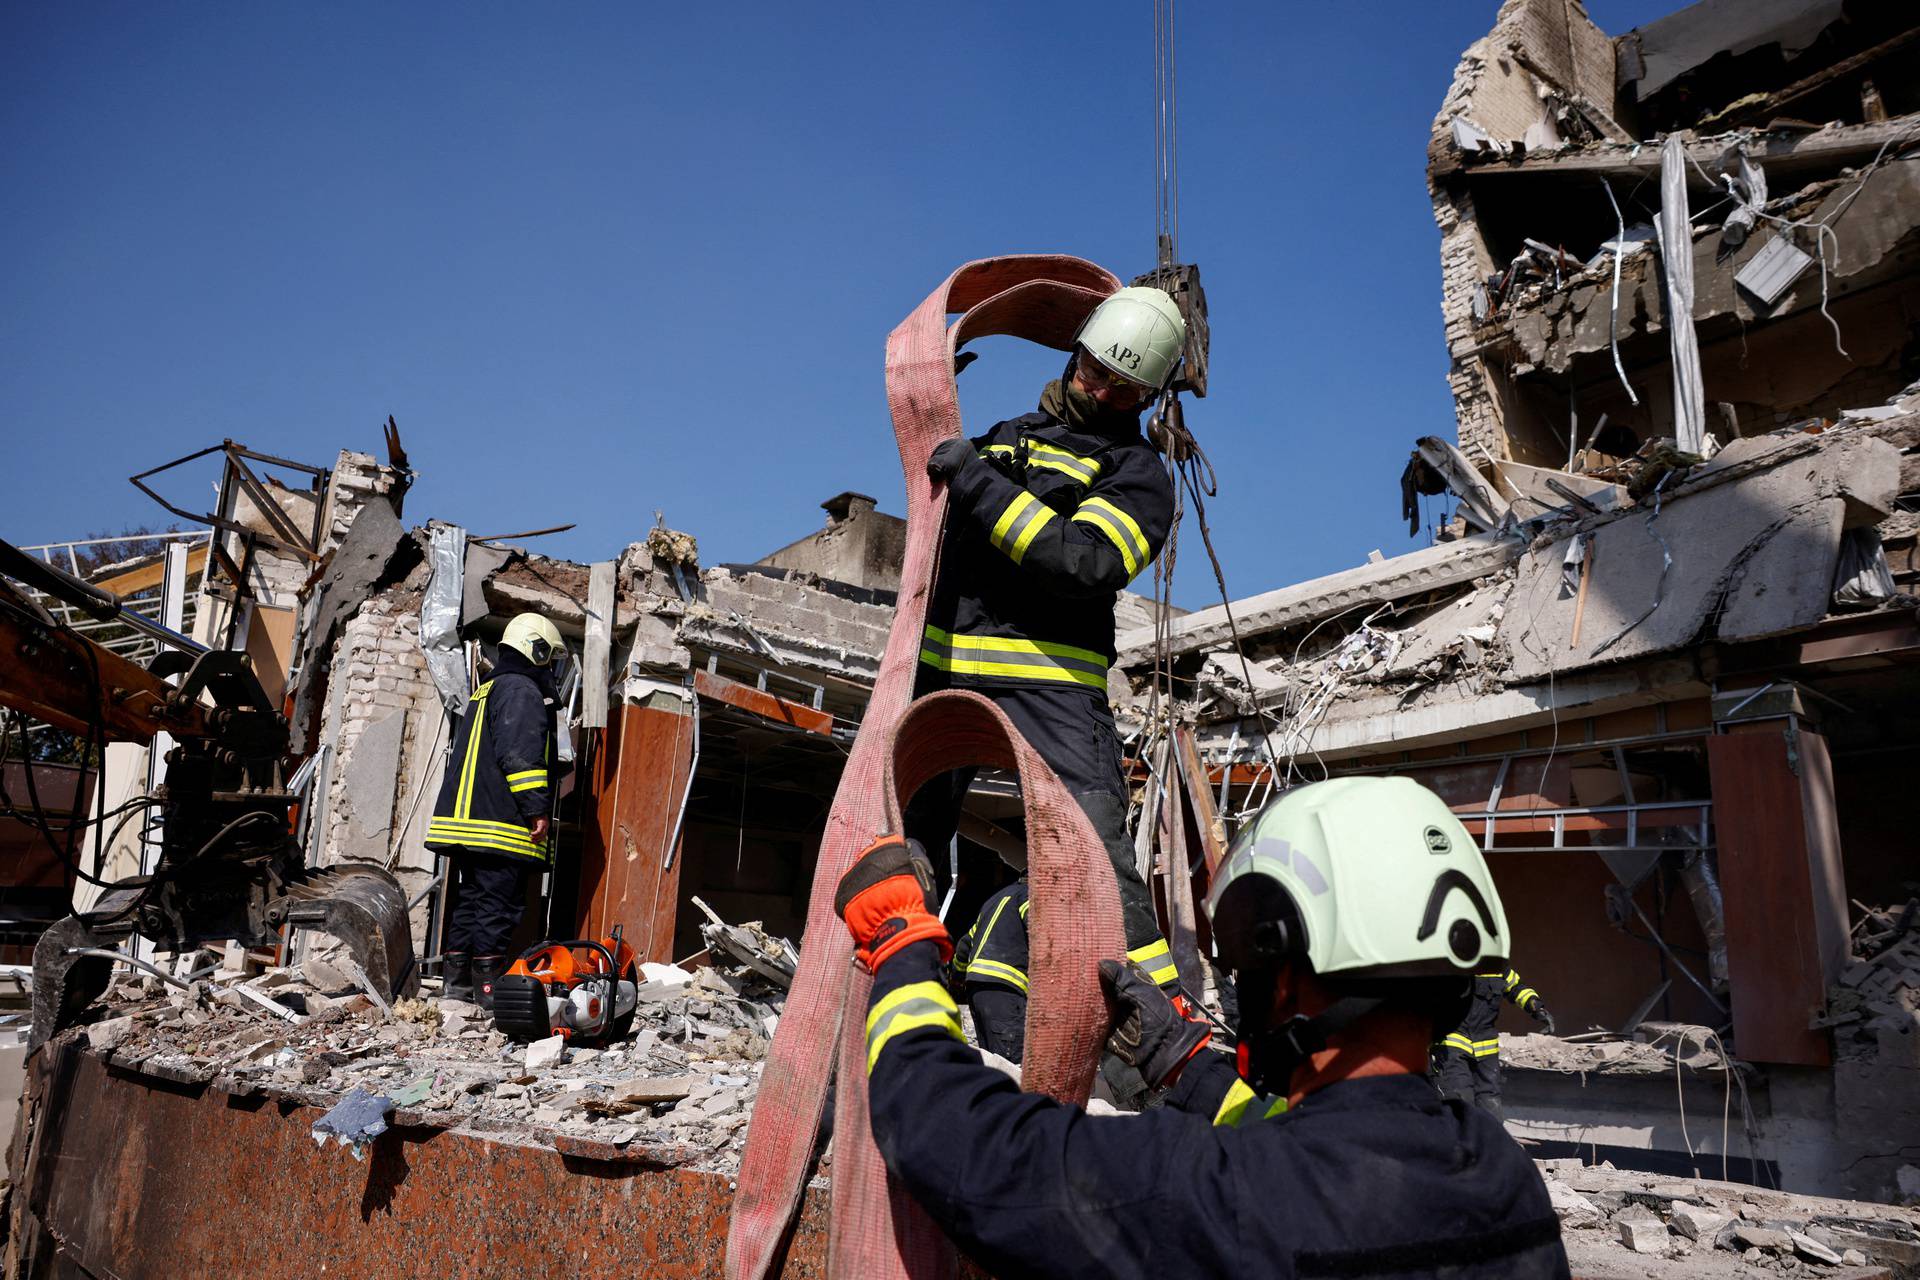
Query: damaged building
(1661, 656)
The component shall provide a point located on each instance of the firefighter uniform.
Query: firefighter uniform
(1372, 1176)
(1049, 521)
(1467, 1060)
(500, 777)
(990, 964)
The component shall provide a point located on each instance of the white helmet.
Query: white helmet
(1137, 333)
(533, 638)
(1362, 878)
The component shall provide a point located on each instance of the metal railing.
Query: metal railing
(115, 634)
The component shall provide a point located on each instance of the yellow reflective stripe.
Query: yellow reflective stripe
(1486, 1048)
(1023, 908)
(1238, 1106)
(459, 831)
(524, 774)
(1114, 535)
(1234, 1105)
(1150, 958)
(1013, 644)
(1021, 501)
(1457, 1041)
(1010, 656)
(534, 785)
(993, 920)
(485, 840)
(916, 1005)
(1057, 459)
(1041, 519)
(1126, 529)
(1526, 994)
(476, 724)
(994, 969)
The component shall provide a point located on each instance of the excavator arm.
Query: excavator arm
(229, 868)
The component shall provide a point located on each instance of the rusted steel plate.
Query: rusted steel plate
(125, 1175)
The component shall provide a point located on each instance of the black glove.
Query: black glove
(950, 458)
(1151, 1035)
(1541, 1016)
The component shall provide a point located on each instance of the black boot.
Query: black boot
(485, 970)
(456, 968)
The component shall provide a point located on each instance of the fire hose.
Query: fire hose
(876, 1230)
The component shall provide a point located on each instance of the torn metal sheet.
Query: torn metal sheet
(440, 610)
(1772, 271)
(1486, 507)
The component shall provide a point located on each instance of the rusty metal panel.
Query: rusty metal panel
(1774, 938)
(124, 1175)
(637, 783)
(761, 703)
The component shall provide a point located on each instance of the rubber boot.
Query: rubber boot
(456, 968)
(485, 970)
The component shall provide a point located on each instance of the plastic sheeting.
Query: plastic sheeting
(1676, 260)
(440, 614)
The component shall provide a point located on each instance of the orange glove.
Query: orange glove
(886, 898)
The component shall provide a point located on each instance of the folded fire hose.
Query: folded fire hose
(877, 1231)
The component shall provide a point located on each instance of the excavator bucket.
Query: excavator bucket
(365, 908)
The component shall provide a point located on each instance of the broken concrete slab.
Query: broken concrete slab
(1695, 1222)
(369, 779)
(1642, 1234)
(1749, 558)
(542, 1054)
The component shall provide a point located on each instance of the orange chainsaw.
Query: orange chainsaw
(582, 989)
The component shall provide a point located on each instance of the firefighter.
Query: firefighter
(493, 816)
(1052, 514)
(990, 967)
(1353, 913)
(1467, 1060)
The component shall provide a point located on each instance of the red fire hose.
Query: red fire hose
(877, 1232)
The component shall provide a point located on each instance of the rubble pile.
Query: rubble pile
(680, 1086)
(1653, 1050)
(1701, 1228)
(1874, 1009)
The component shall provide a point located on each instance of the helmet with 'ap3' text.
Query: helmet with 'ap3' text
(1137, 333)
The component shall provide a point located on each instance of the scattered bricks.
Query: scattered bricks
(1696, 1223)
(1808, 1247)
(542, 1054)
(107, 1034)
(1642, 1234)
(1573, 1209)
(1748, 1236)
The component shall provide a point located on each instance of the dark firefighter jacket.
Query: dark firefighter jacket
(1475, 1036)
(1049, 523)
(1374, 1177)
(994, 952)
(500, 774)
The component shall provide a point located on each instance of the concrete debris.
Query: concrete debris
(542, 1054)
(1718, 1228)
(682, 1084)
(774, 959)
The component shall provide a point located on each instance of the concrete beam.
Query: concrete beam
(1458, 713)
(1432, 568)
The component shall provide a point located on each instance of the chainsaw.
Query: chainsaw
(582, 989)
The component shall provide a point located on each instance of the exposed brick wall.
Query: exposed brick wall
(1493, 90)
(380, 672)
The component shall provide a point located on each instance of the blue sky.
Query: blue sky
(602, 261)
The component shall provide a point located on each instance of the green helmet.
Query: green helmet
(1361, 878)
(1137, 333)
(533, 638)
